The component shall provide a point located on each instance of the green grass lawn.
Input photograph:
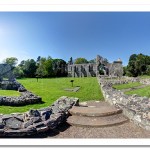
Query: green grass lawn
(144, 76)
(127, 86)
(51, 89)
(141, 92)
(9, 93)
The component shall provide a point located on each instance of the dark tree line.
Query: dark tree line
(42, 67)
(139, 64)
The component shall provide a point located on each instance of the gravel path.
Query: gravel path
(126, 130)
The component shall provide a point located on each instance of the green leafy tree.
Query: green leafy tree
(18, 72)
(138, 65)
(124, 70)
(148, 70)
(59, 68)
(131, 66)
(92, 61)
(29, 68)
(41, 69)
(49, 66)
(11, 60)
(81, 61)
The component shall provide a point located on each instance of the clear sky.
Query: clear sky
(113, 35)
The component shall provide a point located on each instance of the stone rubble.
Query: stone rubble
(25, 97)
(35, 121)
(12, 85)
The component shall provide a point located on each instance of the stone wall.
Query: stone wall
(6, 71)
(145, 81)
(92, 69)
(12, 85)
(36, 121)
(82, 70)
(136, 108)
(25, 98)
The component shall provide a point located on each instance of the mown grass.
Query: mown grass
(141, 92)
(9, 93)
(51, 89)
(144, 76)
(127, 86)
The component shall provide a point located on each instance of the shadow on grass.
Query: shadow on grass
(22, 105)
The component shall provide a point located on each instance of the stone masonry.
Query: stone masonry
(6, 72)
(136, 108)
(25, 98)
(36, 120)
(92, 69)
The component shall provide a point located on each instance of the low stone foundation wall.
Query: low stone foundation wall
(12, 85)
(145, 81)
(134, 107)
(25, 97)
(36, 121)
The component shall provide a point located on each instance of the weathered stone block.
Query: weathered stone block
(13, 123)
(27, 124)
(46, 115)
(34, 113)
(36, 119)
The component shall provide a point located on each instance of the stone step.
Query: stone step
(92, 111)
(83, 121)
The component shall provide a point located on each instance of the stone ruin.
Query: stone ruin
(8, 82)
(135, 107)
(6, 71)
(36, 120)
(93, 69)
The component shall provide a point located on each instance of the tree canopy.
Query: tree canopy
(81, 61)
(42, 67)
(139, 64)
(11, 61)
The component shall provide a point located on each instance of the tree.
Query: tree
(18, 72)
(148, 70)
(131, 66)
(38, 59)
(11, 61)
(22, 63)
(41, 69)
(70, 62)
(49, 66)
(92, 61)
(124, 70)
(81, 61)
(59, 68)
(29, 68)
(138, 65)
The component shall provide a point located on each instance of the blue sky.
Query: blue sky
(113, 35)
